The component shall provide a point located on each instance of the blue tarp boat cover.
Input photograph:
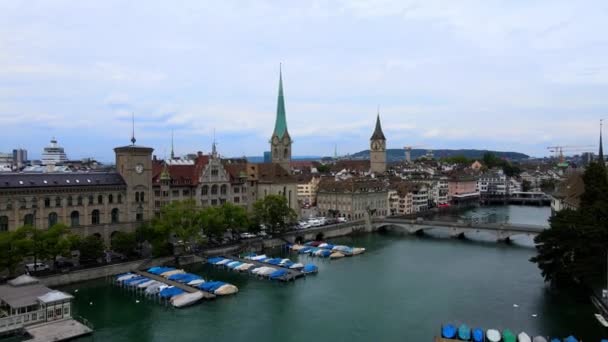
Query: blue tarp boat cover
(328, 246)
(570, 339)
(184, 277)
(234, 265)
(478, 335)
(310, 268)
(448, 331)
(325, 253)
(304, 250)
(464, 332)
(277, 274)
(556, 340)
(288, 263)
(274, 261)
(214, 260)
(250, 255)
(159, 270)
(211, 286)
(128, 281)
(135, 281)
(170, 292)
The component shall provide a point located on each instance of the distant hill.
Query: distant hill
(399, 154)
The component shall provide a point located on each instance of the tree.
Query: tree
(235, 217)
(124, 243)
(323, 168)
(57, 241)
(91, 248)
(274, 212)
(460, 160)
(14, 246)
(526, 185)
(180, 220)
(573, 249)
(213, 222)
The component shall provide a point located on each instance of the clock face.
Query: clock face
(375, 145)
(139, 168)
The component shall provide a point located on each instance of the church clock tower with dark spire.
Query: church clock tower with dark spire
(280, 142)
(377, 150)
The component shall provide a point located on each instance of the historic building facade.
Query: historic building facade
(280, 141)
(377, 149)
(352, 198)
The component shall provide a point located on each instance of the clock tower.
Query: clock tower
(280, 142)
(377, 150)
(134, 164)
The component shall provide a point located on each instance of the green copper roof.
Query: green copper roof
(378, 135)
(280, 126)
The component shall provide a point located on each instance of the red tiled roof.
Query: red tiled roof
(180, 174)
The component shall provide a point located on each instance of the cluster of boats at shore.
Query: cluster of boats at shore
(175, 295)
(464, 333)
(279, 271)
(326, 250)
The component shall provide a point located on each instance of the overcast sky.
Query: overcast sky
(505, 75)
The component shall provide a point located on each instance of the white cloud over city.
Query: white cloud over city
(505, 75)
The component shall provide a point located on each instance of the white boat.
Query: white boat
(225, 290)
(223, 262)
(523, 337)
(126, 277)
(259, 257)
(147, 283)
(196, 282)
(170, 273)
(539, 339)
(296, 247)
(493, 335)
(244, 267)
(336, 255)
(296, 266)
(186, 299)
(264, 270)
(154, 288)
(232, 263)
(358, 250)
(323, 245)
(602, 320)
(284, 261)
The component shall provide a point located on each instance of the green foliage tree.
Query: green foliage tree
(57, 241)
(323, 168)
(213, 222)
(14, 246)
(179, 220)
(274, 212)
(91, 248)
(235, 217)
(460, 160)
(490, 160)
(575, 246)
(124, 243)
(526, 185)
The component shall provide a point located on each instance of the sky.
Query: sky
(504, 75)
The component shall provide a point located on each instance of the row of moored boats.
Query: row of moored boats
(464, 333)
(175, 295)
(326, 250)
(277, 268)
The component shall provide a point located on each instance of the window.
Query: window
(213, 202)
(28, 220)
(52, 219)
(79, 200)
(222, 200)
(91, 200)
(175, 193)
(157, 193)
(95, 217)
(70, 201)
(75, 218)
(47, 202)
(3, 223)
(214, 190)
(137, 197)
(9, 205)
(157, 204)
(110, 198)
(214, 172)
(58, 201)
(237, 200)
(285, 153)
(204, 190)
(22, 203)
(119, 199)
(236, 189)
(186, 192)
(141, 197)
(139, 217)
(223, 189)
(100, 199)
(114, 215)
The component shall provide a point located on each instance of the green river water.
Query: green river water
(402, 289)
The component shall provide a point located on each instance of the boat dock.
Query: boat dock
(291, 273)
(187, 288)
(59, 330)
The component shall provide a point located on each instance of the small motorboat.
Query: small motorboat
(448, 331)
(523, 337)
(602, 320)
(478, 335)
(508, 336)
(358, 250)
(185, 299)
(196, 282)
(226, 289)
(126, 277)
(464, 332)
(493, 335)
(296, 266)
(336, 255)
(570, 339)
(539, 339)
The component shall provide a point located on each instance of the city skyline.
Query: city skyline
(530, 77)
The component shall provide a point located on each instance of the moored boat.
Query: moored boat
(478, 335)
(464, 333)
(336, 255)
(358, 250)
(448, 331)
(570, 339)
(523, 337)
(539, 339)
(508, 336)
(226, 289)
(170, 273)
(493, 335)
(185, 299)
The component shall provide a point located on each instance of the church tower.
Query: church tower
(377, 150)
(280, 142)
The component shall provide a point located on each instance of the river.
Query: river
(402, 289)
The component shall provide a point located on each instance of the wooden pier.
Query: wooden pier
(187, 288)
(290, 276)
(60, 330)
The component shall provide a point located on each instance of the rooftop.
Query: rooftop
(63, 179)
(22, 296)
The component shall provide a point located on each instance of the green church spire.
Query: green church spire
(280, 126)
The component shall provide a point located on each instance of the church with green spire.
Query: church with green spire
(280, 141)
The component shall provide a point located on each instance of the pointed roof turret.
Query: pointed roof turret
(165, 175)
(378, 135)
(280, 125)
(172, 152)
(601, 151)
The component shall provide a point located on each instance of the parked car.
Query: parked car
(37, 267)
(247, 236)
(262, 234)
(342, 219)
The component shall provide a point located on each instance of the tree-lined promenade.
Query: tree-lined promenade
(180, 223)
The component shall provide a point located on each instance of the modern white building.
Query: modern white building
(53, 154)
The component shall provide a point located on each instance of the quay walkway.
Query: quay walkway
(291, 273)
(60, 330)
(187, 288)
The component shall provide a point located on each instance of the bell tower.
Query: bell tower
(377, 150)
(280, 142)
